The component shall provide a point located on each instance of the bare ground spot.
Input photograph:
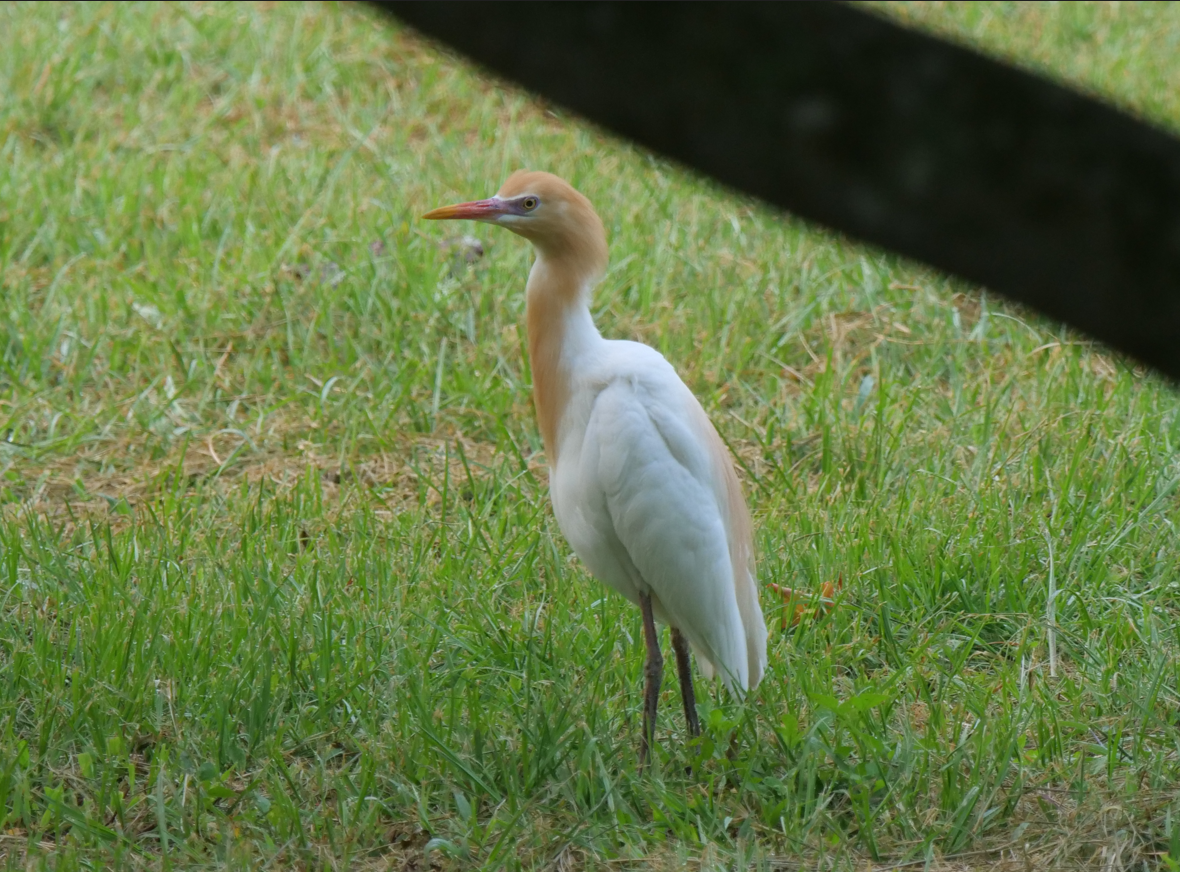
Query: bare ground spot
(412, 474)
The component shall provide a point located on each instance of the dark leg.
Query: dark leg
(654, 672)
(684, 667)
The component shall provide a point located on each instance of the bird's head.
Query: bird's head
(545, 210)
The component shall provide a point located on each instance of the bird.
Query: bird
(642, 486)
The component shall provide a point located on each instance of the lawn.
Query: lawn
(280, 586)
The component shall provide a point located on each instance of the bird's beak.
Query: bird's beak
(477, 210)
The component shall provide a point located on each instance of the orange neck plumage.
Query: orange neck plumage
(556, 295)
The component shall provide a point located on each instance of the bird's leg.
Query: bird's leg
(654, 672)
(684, 668)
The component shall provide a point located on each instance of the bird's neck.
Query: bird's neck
(560, 332)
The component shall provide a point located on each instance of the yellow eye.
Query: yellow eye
(530, 203)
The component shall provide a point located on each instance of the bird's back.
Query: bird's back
(646, 493)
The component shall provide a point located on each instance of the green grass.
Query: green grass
(281, 587)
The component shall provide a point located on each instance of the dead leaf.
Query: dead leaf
(803, 600)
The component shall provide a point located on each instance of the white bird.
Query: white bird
(642, 486)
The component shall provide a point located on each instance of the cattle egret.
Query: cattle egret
(642, 486)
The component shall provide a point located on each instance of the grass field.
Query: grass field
(281, 587)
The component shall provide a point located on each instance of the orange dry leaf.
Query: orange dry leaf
(802, 600)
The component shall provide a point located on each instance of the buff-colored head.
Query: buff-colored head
(548, 212)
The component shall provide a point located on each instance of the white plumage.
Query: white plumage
(642, 486)
(641, 496)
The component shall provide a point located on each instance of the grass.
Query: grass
(281, 587)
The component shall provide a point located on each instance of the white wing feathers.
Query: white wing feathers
(650, 469)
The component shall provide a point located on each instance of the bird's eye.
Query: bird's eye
(529, 203)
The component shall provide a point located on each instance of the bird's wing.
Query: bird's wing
(645, 453)
(740, 530)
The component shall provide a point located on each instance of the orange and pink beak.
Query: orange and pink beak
(476, 210)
